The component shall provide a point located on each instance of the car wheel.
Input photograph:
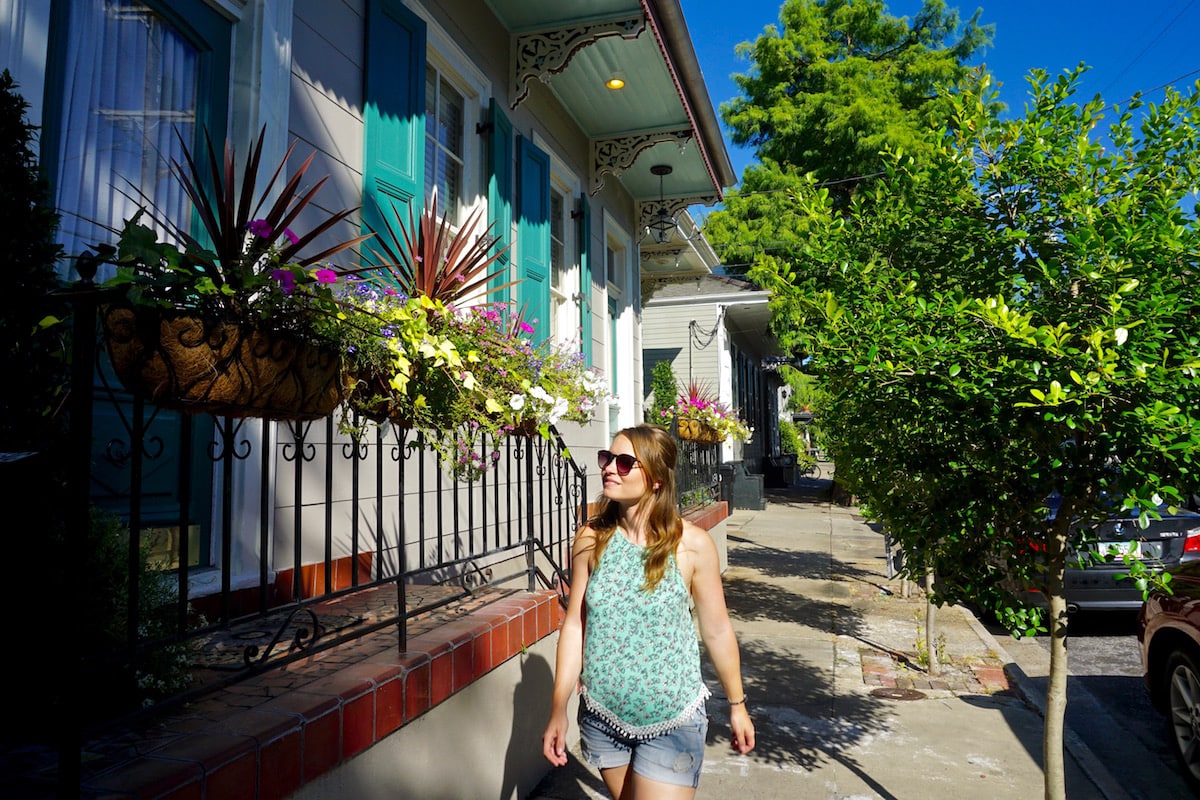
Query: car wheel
(1183, 712)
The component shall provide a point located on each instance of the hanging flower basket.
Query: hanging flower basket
(692, 430)
(195, 365)
(374, 400)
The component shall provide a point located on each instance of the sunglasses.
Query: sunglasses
(625, 462)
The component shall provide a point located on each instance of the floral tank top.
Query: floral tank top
(641, 657)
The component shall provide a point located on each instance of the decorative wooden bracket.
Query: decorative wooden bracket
(648, 210)
(540, 54)
(617, 154)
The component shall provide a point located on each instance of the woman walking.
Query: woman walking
(628, 640)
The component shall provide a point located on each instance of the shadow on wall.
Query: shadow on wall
(531, 709)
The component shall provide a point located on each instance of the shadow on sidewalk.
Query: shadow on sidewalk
(800, 721)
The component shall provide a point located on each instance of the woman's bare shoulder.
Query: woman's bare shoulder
(585, 540)
(695, 539)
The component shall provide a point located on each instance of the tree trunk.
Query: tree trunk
(1056, 691)
(935, 668)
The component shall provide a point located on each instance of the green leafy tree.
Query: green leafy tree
(830, 89)
(840, 82)
(31, 358)
(1010, 317)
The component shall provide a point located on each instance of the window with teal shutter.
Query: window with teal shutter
(394, 115)
(154, 72)
(500, 190)
(533, 236)
(585, 278)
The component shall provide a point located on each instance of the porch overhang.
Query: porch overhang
(661, 116)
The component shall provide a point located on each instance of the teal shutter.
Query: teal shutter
(533, 236)
(394, 115)
(585, 278)
(500, 189)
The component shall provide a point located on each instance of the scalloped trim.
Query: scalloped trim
(641, 732)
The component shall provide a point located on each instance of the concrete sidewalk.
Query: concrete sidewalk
(841, 703)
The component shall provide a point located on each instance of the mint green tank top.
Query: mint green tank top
(641, 656)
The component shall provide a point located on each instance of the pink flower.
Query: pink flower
(389, 291)
(325, 276)
(285, 279)
(260, 228)
(526, 327)
(291, 237)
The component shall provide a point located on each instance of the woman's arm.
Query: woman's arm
(717, 631)
(569, 657)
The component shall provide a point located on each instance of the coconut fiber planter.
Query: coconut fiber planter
(198, 365)
(691, 430)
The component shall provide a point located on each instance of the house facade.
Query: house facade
(503, 107)
(714, 330)
(570, 127)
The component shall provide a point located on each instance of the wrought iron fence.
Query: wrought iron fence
(265, 542)
(697, 474)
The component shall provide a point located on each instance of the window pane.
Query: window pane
(450, 133)
(132, 83)
(431, 154)
(557, 247)
(449, 181)
(431, 85)
(444, 114)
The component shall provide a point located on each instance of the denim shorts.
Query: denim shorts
(673, 757)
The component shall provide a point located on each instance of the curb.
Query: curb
(1032, 695)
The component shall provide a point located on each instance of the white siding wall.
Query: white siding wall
(667, 327)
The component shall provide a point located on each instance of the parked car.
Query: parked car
(1169, 635)
(1092, 582)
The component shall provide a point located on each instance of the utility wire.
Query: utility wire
(1146, 49)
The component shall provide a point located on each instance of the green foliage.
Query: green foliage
(459, 375)
(838, 83)
(832, 89)
(152, 673)
(806, 393)
(1010, 316)
(790, 442)
(663, 387)
(32, 359)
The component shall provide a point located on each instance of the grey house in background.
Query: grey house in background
(715, 330)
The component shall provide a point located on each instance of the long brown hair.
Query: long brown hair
(656, 452)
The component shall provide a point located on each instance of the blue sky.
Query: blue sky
(1130, 46)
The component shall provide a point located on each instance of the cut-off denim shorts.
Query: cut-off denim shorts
(673, 757)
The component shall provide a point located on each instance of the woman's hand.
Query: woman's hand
(554, 740)
(742, 729)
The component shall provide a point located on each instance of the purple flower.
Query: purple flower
(285, 279)
(291, 237)
(260, 228)
(325, 276)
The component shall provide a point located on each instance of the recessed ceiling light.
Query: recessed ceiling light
(615, 82)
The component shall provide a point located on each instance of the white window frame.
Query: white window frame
(565, 301)
(622, 412)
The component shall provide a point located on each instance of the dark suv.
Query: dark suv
(1169, 634)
